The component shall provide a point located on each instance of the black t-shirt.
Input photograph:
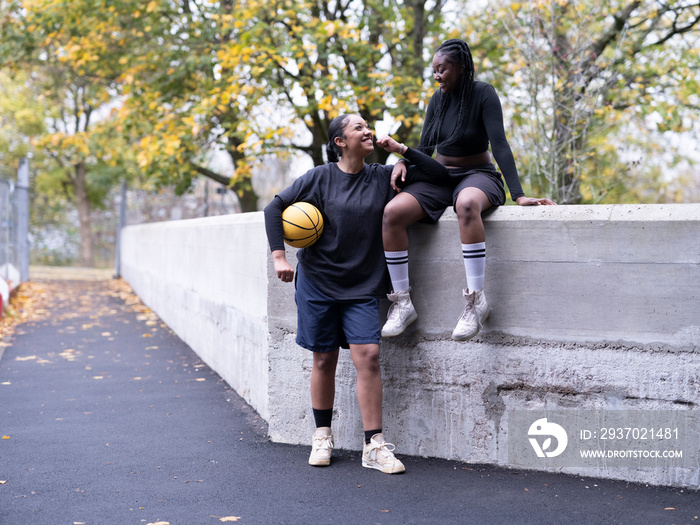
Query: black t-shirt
(485, 124)
(347, 261)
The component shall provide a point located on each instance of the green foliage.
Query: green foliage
(592, 88)
(589, 87)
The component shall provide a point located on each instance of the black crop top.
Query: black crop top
(485, 124)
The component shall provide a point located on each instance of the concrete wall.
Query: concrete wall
(593, 307)
(207, 279)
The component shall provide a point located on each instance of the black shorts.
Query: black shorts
(434, 199)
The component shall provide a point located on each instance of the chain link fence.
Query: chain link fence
(8, 227)
(14, 235)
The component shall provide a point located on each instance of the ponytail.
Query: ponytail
(335, 129)
(332, 155)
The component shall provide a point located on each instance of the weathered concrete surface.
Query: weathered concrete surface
(592, 307)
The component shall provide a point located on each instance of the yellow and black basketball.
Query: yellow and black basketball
(302, 224)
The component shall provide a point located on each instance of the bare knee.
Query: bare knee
(394, 216)
(402, 211)
(367, 360)
(325, 362)
(468, 209)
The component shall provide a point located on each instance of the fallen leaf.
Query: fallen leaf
(28, 358)
(201, 379)
(670, 508)
(5, 437)
(146, 335)
(98, 377)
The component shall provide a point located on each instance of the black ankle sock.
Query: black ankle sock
(370, 433)
(323, 418)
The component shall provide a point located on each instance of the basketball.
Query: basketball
(302, 224)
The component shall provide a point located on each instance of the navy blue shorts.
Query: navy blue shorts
(325, 324)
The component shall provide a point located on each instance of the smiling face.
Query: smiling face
(358, 137)
(446, 73)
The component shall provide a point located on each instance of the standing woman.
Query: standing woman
(340, 278)
(463, 117)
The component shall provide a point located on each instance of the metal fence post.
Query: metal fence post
(122, 221)
(22, 200)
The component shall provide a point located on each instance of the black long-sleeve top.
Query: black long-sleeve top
(347, 261)
(485, 124)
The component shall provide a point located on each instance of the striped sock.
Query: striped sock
(474, 264)
(397, 262)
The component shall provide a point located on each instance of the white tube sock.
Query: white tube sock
(474, 265)
(397, 262)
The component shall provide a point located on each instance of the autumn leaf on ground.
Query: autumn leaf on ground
(27, 304)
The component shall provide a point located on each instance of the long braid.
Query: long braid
(457, 52)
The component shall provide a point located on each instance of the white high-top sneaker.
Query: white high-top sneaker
(401, 314)
(321, 447)
(475, 313)
(379, 455)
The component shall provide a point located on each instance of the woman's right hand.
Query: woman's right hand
(284, 270)
(399, 172)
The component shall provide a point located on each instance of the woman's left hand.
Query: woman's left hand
(530, 201)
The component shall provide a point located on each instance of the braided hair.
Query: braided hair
(456, 52)
(335, 129)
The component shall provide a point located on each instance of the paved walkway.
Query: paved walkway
(106, 417)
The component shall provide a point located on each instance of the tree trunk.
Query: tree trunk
(247, 198)
(83, 204)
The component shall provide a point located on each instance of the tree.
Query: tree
(363, 59)
(577, 72)
(243, 78)
(251, 78)
(48, 45)
(21, 117)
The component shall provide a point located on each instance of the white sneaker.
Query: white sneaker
(475, 313)
(379, 455)
(401, 314)
(321, 447)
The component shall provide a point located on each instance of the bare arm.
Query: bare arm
(284, 270)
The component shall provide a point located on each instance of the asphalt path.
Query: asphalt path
(106, 417)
